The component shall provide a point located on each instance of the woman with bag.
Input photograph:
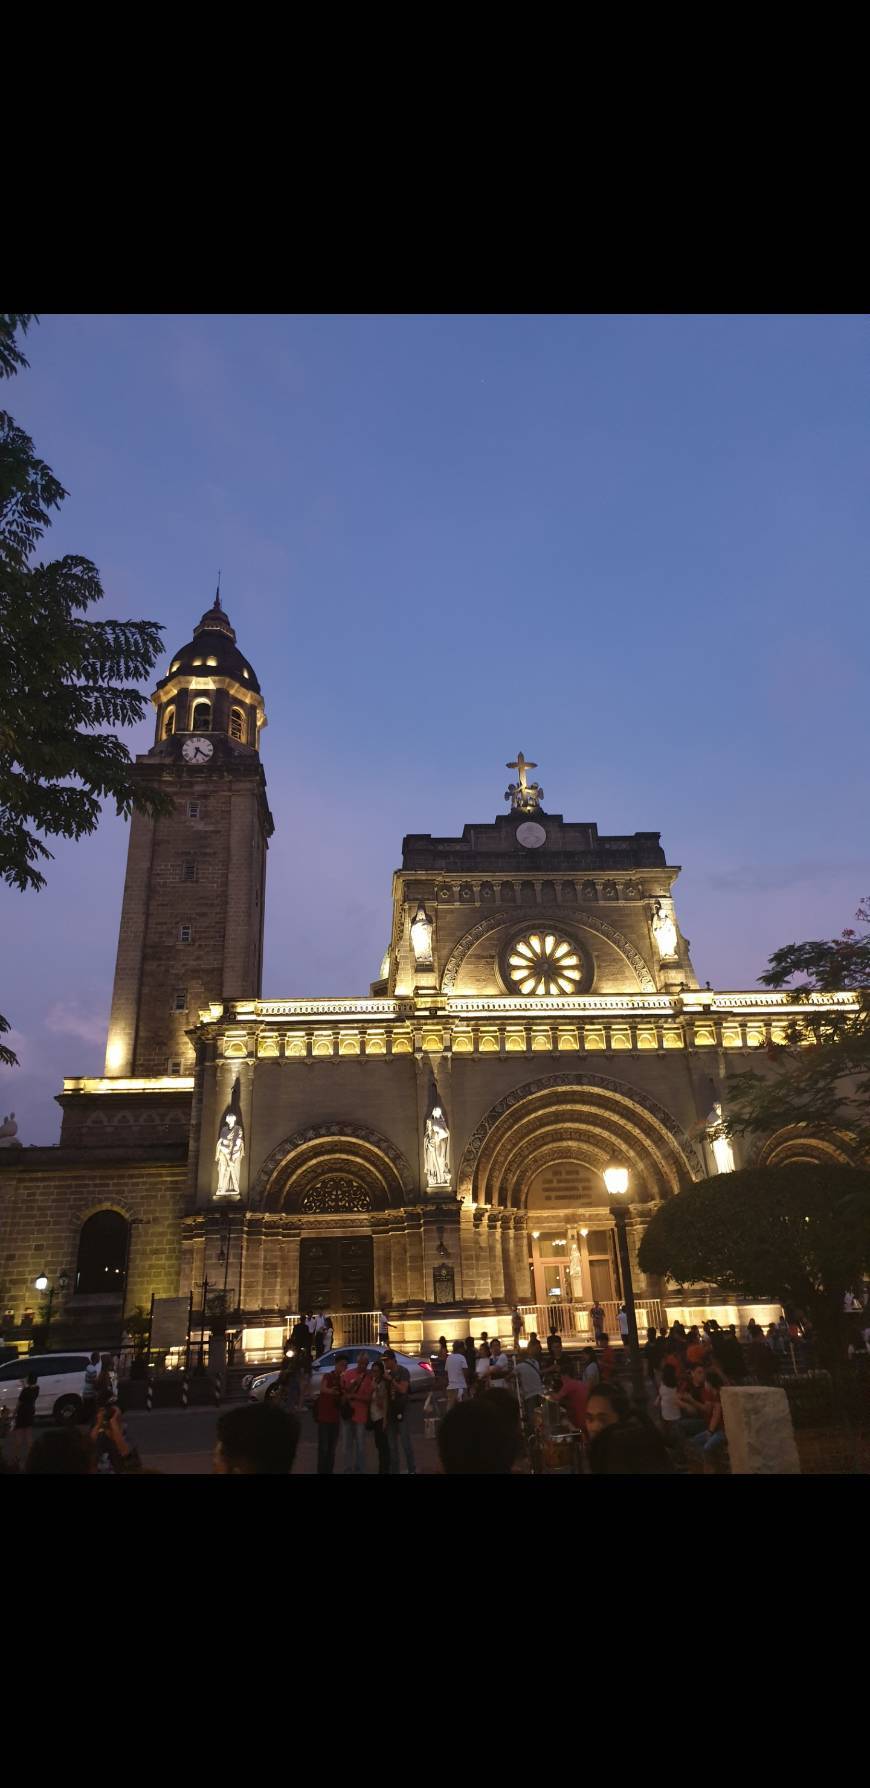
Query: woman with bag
(326, 1412)
(356, 1389)
(379, 1405)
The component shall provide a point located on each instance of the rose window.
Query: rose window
(543, 962)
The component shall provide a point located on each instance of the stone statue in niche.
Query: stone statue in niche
(436, 1140)
(421, 937)
(229, 1154)
(487, 891)
(589, 891)
(719, 1142)
(466, 891)
(575, 1272)
(610, 891)
(9, 1133)
(664, 931)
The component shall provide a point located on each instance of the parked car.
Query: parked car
(263, 1387)
(61, 1382)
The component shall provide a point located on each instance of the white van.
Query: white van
(61, 1383)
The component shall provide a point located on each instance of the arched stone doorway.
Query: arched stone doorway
(796, 1143)
(102, 1255)
(534, 1202)
(333, 1198)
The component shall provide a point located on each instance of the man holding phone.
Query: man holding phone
(399, 1381)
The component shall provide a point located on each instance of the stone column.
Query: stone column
(758, 1426)
(414, 1243)
(252, 1263)
(446, 1217)
(496, 1266)
(521, 1259)
(385, 1294)
(482, 1275)
(507, 1257)
(468, 1246)
(399, 1262)
(246, 1106)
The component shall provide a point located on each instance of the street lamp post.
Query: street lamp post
(615, 1178)
(41, 1283)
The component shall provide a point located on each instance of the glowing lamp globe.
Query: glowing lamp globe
(615, 1178)
(41, 1282)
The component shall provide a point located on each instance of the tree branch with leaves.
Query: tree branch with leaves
(820, 1077)
(68, 680)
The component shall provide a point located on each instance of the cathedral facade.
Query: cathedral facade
(434, 1150)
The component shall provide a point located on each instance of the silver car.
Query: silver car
(421, 1374)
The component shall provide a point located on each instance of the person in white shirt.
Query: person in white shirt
(499, 1368)
(591, 1374)
(457, 1374)
(668, 1401)
(531, 1383)
(482, 1368)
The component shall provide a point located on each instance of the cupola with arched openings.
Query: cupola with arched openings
(210, 687)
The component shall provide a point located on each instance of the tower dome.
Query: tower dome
(210, 685)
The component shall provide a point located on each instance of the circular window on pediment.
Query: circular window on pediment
(542, 962)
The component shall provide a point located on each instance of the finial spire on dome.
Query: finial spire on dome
(216, 619)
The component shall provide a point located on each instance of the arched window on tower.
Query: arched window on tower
(102, 1254)
(237, 725)
(169, 723)
(201, 721)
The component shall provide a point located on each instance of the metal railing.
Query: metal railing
(573, 1321)
(356, 1328)
(352, 1328)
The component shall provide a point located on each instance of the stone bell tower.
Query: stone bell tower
(192, 918)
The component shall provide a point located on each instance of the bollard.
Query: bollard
(759, 1431)
(217, 1388)
(149, 1392)
(185, 1389)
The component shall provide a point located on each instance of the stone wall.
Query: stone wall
(44, 1203)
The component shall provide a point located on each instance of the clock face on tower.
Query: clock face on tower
(197, 751)
(531, 835)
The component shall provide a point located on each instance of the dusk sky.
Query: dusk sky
(635, 548)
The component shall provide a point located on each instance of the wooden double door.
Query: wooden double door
(336, 1273)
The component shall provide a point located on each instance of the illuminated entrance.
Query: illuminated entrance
(336, 1273)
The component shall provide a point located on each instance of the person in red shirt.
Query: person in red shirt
(573, 1395)
(698, 1351)
(711, 1441)
(326, 1410)
(696, 1399)
(356, 1389)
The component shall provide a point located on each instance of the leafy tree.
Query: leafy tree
(797, 1235)
(67, 679)
(137, 1323)
(823, 1083)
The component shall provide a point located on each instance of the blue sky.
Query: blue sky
(634, 547)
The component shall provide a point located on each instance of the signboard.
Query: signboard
(169, 1323)
(444, 1285)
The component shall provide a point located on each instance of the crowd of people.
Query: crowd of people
(488, 1408)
